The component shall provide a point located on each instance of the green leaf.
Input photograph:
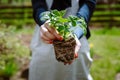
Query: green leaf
(73, 20)
(62, 24)
(62, 20)
(62, 13)
(45, 16)
(73, 23)
(57, 13)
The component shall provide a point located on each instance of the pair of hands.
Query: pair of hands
(48, 34)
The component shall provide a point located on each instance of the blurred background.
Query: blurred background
(17, 27)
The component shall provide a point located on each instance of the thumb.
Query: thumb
(78, 45)
(76, 55)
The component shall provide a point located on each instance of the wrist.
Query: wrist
(78, 31)
(43, 17)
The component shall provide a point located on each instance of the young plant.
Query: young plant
(63, 25)
(65, 49)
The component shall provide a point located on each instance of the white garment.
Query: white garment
(44, 65)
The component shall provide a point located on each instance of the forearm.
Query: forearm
(86, 10)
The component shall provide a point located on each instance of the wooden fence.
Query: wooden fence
(104, 15)
(14, 14)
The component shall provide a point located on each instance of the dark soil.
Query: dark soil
(64, 50)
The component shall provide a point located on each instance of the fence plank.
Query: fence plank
(104, 14)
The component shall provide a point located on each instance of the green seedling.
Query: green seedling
(63, 25)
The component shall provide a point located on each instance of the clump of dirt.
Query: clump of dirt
(64, 50)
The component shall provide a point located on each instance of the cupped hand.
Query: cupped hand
(49, 33)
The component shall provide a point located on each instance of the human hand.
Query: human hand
(49, 33)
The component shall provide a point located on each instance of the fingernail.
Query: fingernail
(50, 42)
(60, 38)
(76, 55)
(69, 63)
(65, 63)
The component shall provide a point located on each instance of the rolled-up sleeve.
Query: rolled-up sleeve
(86, 9)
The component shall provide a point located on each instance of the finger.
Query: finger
(58, 36)
(43, 37)
(46, 39)
(47, 42)
(70, 62)
(76, 55)
(46, 33)
(53, 31)
(65, 63)
(78, 45)
(49, 35)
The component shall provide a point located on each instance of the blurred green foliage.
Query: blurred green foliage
(15, 2)
(105, 51)
(106, 12)
(11, 51)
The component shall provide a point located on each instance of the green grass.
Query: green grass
(106, 53)
(12, 50)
